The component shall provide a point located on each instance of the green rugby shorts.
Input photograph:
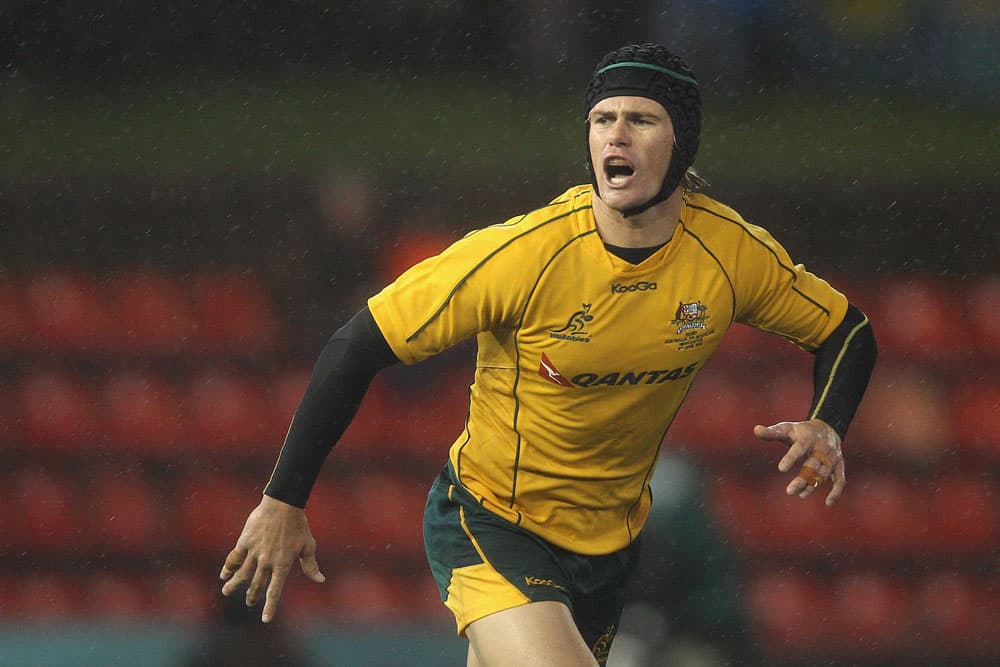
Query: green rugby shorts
(484, 564)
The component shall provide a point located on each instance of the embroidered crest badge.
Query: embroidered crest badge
(690, 325)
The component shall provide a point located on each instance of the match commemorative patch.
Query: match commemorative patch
(690, 325)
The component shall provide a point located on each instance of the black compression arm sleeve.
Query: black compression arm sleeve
(346, 366)
(841, 370)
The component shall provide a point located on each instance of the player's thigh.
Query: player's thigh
(538, 633)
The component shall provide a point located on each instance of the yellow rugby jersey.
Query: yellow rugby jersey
(584, 359)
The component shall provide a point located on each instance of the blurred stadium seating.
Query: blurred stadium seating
(147, 434)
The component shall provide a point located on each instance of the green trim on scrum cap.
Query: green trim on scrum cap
(664, 70)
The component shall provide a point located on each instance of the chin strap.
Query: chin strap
(636, 210)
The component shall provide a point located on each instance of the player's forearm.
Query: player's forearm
(841, 370)
(341, 376)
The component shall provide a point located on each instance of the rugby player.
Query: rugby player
(593, 316)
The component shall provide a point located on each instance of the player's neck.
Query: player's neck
(652, 227)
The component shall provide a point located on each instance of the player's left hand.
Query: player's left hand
(818, 446)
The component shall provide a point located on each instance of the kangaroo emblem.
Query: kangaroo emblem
(577, 321)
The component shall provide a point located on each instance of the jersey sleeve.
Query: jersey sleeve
(472, 286)
(778, 296)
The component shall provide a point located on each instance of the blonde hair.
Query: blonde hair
(693, 181)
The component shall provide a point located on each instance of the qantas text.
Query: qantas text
(626, 378)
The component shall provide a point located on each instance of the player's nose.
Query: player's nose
(618, 135)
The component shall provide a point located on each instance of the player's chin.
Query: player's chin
(619, 200)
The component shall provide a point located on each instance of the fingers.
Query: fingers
(309, 565)
(275, 534)
(783, 432)
(813, 473)
(263, 576)
(233, 562)
(273, 596)
(777, 432)
(837, 475)
(820, 447)
(810, 476)
(245, 572)
(260, 581)
(794, 453)
(839, 481)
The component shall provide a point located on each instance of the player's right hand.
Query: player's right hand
(274, 536)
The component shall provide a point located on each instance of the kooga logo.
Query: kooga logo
(641, 286)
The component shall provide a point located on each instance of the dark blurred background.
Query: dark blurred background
(194, 195)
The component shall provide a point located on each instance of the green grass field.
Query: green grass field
(185, 126)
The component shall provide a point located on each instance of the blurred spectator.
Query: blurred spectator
(684, 606)
(339, 246)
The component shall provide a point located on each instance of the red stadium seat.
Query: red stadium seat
(983, 308)
(916, 318)
(10, 419)
(127, 514)
(427, 604)
(58, 412)
(738, 504)
(787, 395)
(211, 510)
(422, 425)
(67, 312)
(153, 313)
(964, 514)
(144, 414)
(975, 416)
(884, 515)
(377, 430)
(109, 596)
(14, 325)
(904, 416)
(391, 509)
(790, 613)
(371, 597)
(800, 526)
(10, 596)
(46, 513)
(229, 414)
(285, 392)
(718, 418)
(235, 314)
(955, 614)
(8, 520)
(370, 432)
(47, 597)
(762, 518)
(352, 596)
(331, 514)
(304, 602)
(745, 346)
(872, 615)
(185, 596)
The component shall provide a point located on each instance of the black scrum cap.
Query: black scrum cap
(649, 70)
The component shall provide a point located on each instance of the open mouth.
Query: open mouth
(618, 171)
